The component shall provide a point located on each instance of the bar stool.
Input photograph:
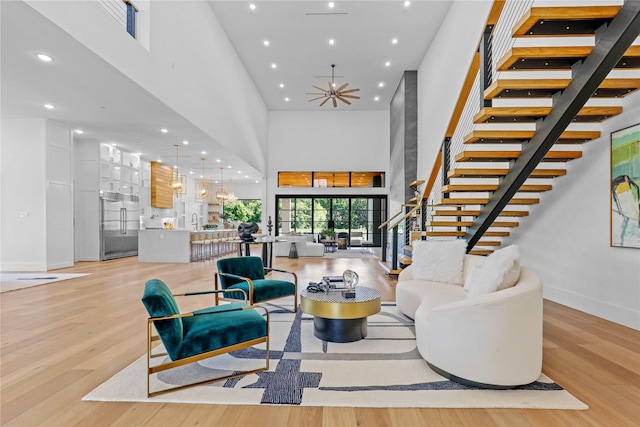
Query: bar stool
(197, 247)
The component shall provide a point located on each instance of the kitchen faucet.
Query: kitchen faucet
(194, 220)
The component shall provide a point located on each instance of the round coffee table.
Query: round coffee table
(339, 319)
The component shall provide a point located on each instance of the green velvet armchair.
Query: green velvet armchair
(201, 334)
(248, 273)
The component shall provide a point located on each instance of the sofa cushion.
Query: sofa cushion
(411, 294)
(500, 271)
(439, 260)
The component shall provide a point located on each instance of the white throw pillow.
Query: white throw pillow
(500, 271)
(439, 260)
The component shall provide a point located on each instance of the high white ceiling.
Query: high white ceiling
(299, 32)
(92, 95)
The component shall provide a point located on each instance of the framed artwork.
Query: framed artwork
(625, 187)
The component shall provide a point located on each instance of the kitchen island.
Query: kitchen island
(164, 245)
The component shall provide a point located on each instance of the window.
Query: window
(331, 179)
(249, 210)
(311, 215)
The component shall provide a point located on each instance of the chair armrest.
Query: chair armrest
(295, 276)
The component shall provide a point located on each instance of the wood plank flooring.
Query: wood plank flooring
(60, 341)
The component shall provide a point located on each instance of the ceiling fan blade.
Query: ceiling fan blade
(342, 87)
(344, 100)
(316, 93)
(350, 90)
(335, 104)
(325, 101)
(319, 88)
(320, 97)
(350, 96)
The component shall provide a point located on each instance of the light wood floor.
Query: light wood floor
(60, 341)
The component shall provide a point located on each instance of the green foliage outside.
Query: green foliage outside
(301, 214)
(244, 211)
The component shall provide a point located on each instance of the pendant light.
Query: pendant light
(204, 192)
(178, 180)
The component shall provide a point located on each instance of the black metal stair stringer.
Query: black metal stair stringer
(610, 46)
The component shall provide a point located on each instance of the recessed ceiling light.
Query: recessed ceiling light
(229, 167)
(381, 84)
(387, 64)
(257, 182)
(266, 43)
(190, 172)
(246, 176)
(252, 6)
(185, 142)
(203, 152)
(286, 99)
(239, 172)
(78, 131)
(159, 160)
(44, 58)
(331, 4)
(407, 3)
(49, 106)
(377, 98)
(332, 42)
(281, 85)
(274, 65)
(218, 160)
(164, 130)
(394, 41)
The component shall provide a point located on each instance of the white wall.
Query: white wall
(565, 239)
(59, 210)
(190, 65)
(442, 74)
(36, 219)
(23, 220)
(325, 141)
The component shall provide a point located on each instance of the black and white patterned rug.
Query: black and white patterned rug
(383, 370)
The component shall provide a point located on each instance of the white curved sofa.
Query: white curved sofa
(492, 340)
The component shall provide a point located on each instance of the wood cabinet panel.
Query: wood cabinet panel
(161, 191)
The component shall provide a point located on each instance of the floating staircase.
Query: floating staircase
(502, 125)
(530, 123)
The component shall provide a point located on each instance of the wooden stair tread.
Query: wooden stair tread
(493, 187)
(558, 58)
(491, 173)
(467, 212)
(488, 155)
(546, 88)
(488, 243)
(416, 183)
(461, 201)
(480, 252)
(470, 223)
(520, 136)
(532, 114)
(404, 260)
(548, 21)
(462, 233)
(386, 266)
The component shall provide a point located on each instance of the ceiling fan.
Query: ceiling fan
(333, 93)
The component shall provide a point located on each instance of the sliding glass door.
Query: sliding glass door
(311, 215)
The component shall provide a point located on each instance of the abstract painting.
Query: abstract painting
(625, 187)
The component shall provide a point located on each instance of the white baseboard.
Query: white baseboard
(23, 266)
(603, 309)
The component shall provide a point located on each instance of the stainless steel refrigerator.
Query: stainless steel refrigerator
(119, 225)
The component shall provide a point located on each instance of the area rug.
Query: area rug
(383, 370)
(13, 281)
(352, 253)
